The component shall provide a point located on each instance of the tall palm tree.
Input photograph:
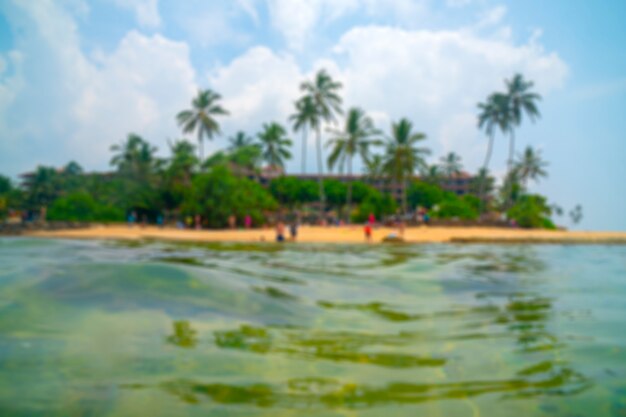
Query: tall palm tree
(275, 144)
(451, 164)
(521, 100)
(239, 140)
(494, 114)
(201, 117)
(355, 139)
(530, 166)
(323, 93)
(403, 156)
(305, 117)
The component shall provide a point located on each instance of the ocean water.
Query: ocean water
(92, 328)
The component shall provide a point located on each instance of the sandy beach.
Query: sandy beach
(345, 234)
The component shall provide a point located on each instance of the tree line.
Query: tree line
(223, 183)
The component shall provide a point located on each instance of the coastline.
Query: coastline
(344, 234)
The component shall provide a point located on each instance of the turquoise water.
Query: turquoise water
(158, 329)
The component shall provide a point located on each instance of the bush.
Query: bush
(218, 194)
(292, 192)
(531, 211)
(456, 208)
(80, 206)
(424, 194)
(377, 203)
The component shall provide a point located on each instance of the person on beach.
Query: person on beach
(280, 232)
(368, 232)
(293, 230)
(247, 221)
(371, 219)
(401, 227)
(131, 218)
(232, 221)
(198, 221)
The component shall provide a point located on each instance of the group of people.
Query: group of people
(282, 225)
(280, 231)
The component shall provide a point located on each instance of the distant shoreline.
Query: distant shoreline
(344, 234)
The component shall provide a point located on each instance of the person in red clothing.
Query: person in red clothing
(368, 232)
(371, 219)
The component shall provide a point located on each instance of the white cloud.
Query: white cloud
(299, 20)
(259, 86)
(75, 107)
(436, 78)
(146, 11)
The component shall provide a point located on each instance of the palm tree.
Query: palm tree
(521, 101)
(201, 117)
(374, 167)
(402, 156)
(358, 134)
(239, 140)
(494, 114)
(305, 117)
(451, 164)
(274, 144)
(531, 166)
(323, 93)
(134, 157)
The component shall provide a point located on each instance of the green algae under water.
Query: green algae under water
(159, 329)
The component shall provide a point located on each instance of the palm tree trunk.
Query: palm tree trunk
(481, 193)
(349, 196)
(200, 147)
(320, 168)
(304, 150)
(509, 199)
(511, 150)
(404, 199)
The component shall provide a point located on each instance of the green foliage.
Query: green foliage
(274, 144)
(456, 208)
(531, 211)
(218, 194)
(361, 191)
(382, 205)
(472, 201)
(5, 185)
(424, 194)
(293, 192)
(335, 192)
(81, 206)
(248, 156)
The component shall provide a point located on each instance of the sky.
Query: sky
(77, 76)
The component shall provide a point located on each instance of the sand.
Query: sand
(345, 234)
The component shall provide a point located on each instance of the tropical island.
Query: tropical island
(246, 186)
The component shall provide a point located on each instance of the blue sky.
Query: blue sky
(76, 76)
